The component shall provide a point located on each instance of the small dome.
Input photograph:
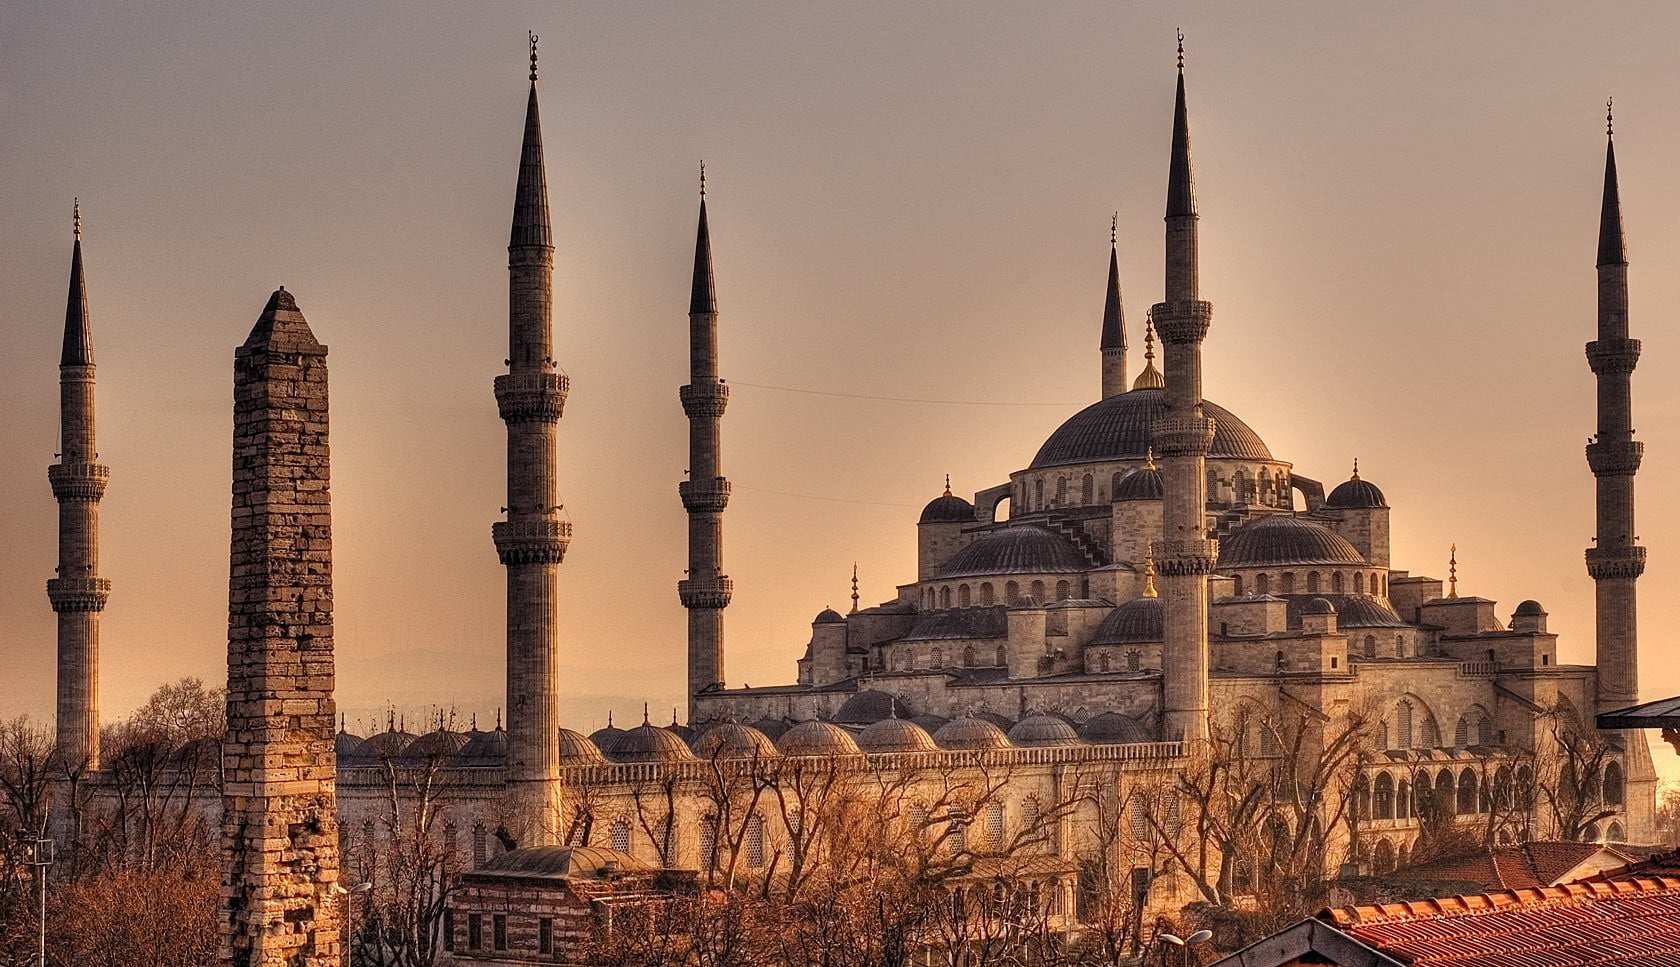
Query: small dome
(436, 745)
(1138, 621)
(483, 747)
(347, 746)
(648, 743)
(970, 734)
(947, 509)
(1280, 539)
(1020, 549)
(828, 616)
(1530, 609)
(604, 738)
(577, 750)
(896, 735)
(774, 728)
(385, 745)
(730, 740)
(1319, 606)
(1355, 494)
(1043, 730)
(871, 706)
(1144, 483)
(1113, 728)
(817, 737)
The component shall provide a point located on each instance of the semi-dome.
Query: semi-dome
(648, 743)
(1281, 539)
(1365, 611)
(1319, 606)
(731, 740)
(896, 735)
(970, 734)
(1119, 428)
(869, 706)
(1018, 549)
(1113, 728)
(483, 748)
(1143, 483)
(1043, 730)
(828, 616)
(1138, 620)
(1529, 609)
(577, 750)
(1355, 494)
(438, 744)
(947, 508)
(817, 737)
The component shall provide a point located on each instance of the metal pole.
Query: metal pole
(43, 898)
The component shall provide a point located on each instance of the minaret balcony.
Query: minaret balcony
(1182, 436)
(704, 495)
(1182, 323)
(705, 592)
(1613, 357)
(78, 481)
(78, 594)
(1186, 557)
(532, 397)
(1615, 459)
(1615, 562)
(705, 400)
(536, 541)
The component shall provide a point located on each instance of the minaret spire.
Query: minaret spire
(532, 541)
(78, 594)
(1186, 555)
(1114, 320)
(705, 591)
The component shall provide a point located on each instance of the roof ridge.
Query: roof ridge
(1498, 901)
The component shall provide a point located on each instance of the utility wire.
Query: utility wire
(836, 500)
(899, 399)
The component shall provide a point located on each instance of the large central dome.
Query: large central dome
(1118, 428)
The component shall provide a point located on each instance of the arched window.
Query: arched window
(1382, 795)
(1359, 582)
(1502, 788)
(945, 597)
(1002, 656)
(968, 656)
(1236, 584)
(1038, 494)
(755, 841)
(1382, 736)
(1484, 731)
(1431, 733)
(1102, 662)
(618, 835)
(1012, 592)
(1262, 584)
(1461, 733)
(1399, 645)
(1444, 788)
(1213, 494)
(1279, 662)
(1403, 800)
(937, 659)
(1062, 589)
(1029, 814)
(1336, 582)
(1383, 856)
(1061, 491)
(1038, 591)
(1312, 582)
(1287, 582)
(479, 846)
(994, 820)
(1614, 787)
(1114, 483)
(1265, 486)
(1466, 791)
(1244, 489)
(1140, 821)
(1403, 725)
(986, 594)
(1133, 660)
(1422, 793)
(1088, 490)
(1614, 834)
(962, 596)
(1525, 787)
(1370, 646)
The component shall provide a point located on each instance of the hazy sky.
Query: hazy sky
(1399, 210)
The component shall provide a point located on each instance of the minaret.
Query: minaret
(78, 593)
(705, 591)
(532, 541)
(1114, 321)
(1185, 557)
(1615, 561)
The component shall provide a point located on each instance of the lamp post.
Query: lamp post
(39, 854)
(1185, 943)
(344, 930)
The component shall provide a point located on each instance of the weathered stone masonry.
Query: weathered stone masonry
(279, 828)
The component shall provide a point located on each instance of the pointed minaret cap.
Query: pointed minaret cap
(1612, 243)
(703, 298)
(530, 197)
(281, 327)
(1114, 314)
(78, 328)
(1181, 178)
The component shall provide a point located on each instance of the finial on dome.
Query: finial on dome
(533, 37)
(702, 180)
(673, 716)
(1151, 377)
(854, 588)
(609, 718)
(341, 721)
(1452, 572)
(1181, 50)
(1610, 117)
(947, 485)
(1356, 468)
(1114, 230)
(1149, 571)
(475, 721)
(645, 714)
(1149, 458)
(76, 217)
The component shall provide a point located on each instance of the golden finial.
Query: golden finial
(533, 37)
(1181, 50)
(1149, 458)
(1356, 468)
(76, 216)
(1452, 573)
(854, 588)
(702, 180)
(1149, 571)
(1610, 117)
(1114, 230)
(947, 485)
(1151, 377)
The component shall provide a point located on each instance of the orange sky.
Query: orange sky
(1399, 221)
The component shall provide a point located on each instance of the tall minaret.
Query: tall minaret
(1185, 555)
(78, 593)
(1615, 561)
(705, 591)
(532, 541)
(1114, 321)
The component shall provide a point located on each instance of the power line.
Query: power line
(899, 399)
(835, 500)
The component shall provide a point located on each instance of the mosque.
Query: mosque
(1153, 562)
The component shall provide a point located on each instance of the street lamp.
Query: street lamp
(344, 927)
(1185, 943)
(39, 853)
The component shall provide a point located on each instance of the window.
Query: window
(1236, 585)
(1038, 494)
(478, 844)
(1262, 584)
(945, 597)
(1370, 646)
(1088, 490)
(475, 931)
(1461, 733)
(1102, 662)
(1133, 661)
(962, 596)
(448, 929)
(1358, 582)
(986, 594)
(1114, 483)
(545, 935)
(1287, 582)
(938, 658)
(1061, 491)
(1012, 592)
(1382, 795)
(994, 823)
(755, 841)
(1002, 656)
(968, 656)
(1467, 792)
(1038, 591)
(1140, 821)
(619, 835)
(1062, 590)
(1431, 733)
(1484, 731)
(708, 842)
(1614, 787)
(1403, 725)
(918, 816)
(498, 931)
(1382, 736)
(1312, 582)
(1383, 857)
(1029, 814)
(1399, 645)
(1336, 582)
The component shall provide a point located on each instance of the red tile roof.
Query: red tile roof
(1624, 921)
(1524, 866)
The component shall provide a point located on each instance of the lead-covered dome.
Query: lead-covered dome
(732, 740)
(1138, 620)
(1040, 730)
(577, 750)
(1281, 539)
(871, 706)
(648, 743)
(438, 744)
(1119, 428)
(1019, 549)
(1355, 494)
(1144, 483)
(1113, 728)
(1365, 611)
(817, 737)
(896, 735)
(484, 748)
(947, 508)
(970, 734)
